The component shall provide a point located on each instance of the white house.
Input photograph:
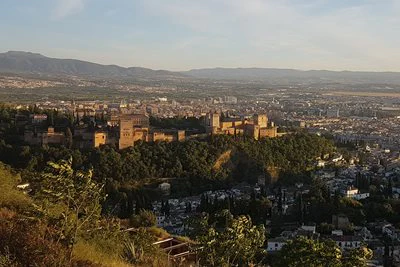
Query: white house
(165, 188)
(160, 220)
(347, 242)
(309, 228)
(391, 231)
(364, 233)
(276, 244)
(360, 196)
(23, 186)
(320, 163)
(337, 232)
(350, 191)
(337, 158)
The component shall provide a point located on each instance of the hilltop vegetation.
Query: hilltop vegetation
(193, 160)
(69, 217)
(192, 165)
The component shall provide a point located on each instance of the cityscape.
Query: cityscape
(212, 133)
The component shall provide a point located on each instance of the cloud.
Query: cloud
(305, 34)
(65, 8)
(111, 12)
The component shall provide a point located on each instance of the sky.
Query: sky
(188, 34)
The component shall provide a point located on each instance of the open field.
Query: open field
(358, 93)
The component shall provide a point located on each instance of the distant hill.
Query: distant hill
(32, 63)
(264, 74)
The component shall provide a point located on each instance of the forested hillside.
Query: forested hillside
(188, 165)
(70, 213)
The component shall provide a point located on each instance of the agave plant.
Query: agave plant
(132, 253)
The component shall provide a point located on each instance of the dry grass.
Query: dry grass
(10, 195)
(85, 251)
(158, 232)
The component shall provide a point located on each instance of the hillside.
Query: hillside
(293, 75)
(18, 62)
(33, 63)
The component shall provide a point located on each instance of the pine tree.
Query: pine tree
(162, 210)
(68, 138)
(167, 208)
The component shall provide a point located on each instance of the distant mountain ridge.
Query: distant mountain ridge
(293, 74)
(33, 63)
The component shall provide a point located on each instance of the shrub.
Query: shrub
(88, 252)
(10, 196)
(30, 243)
(145, 218)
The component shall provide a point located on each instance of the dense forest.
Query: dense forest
(192, 166)
(200, 164)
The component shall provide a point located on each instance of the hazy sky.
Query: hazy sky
(185, 34)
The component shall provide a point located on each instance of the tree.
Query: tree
(50, 118)
(188, 208)
(259, 209)
(326, 228)
(303, 251)
(353, 209)
(238, 244)
(167, 208)
(69, 199)
(28, 242)
(358, 257)
(308, 252)
(222, 219)
(68, 138)
(145, 218)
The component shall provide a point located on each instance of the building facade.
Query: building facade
(257, 127)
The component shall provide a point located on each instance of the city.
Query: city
(364, 165)
(200, 133)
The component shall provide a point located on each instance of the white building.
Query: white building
(347, 242)
(309, 228)
(337, 158)
(165, 188)
(360, 196)
(160, 220)
(350, 192)
(353, 192)
(320, 163)
(276, 244)
(337, 232)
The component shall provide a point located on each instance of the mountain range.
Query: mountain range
(32, 63)
(293, 75)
